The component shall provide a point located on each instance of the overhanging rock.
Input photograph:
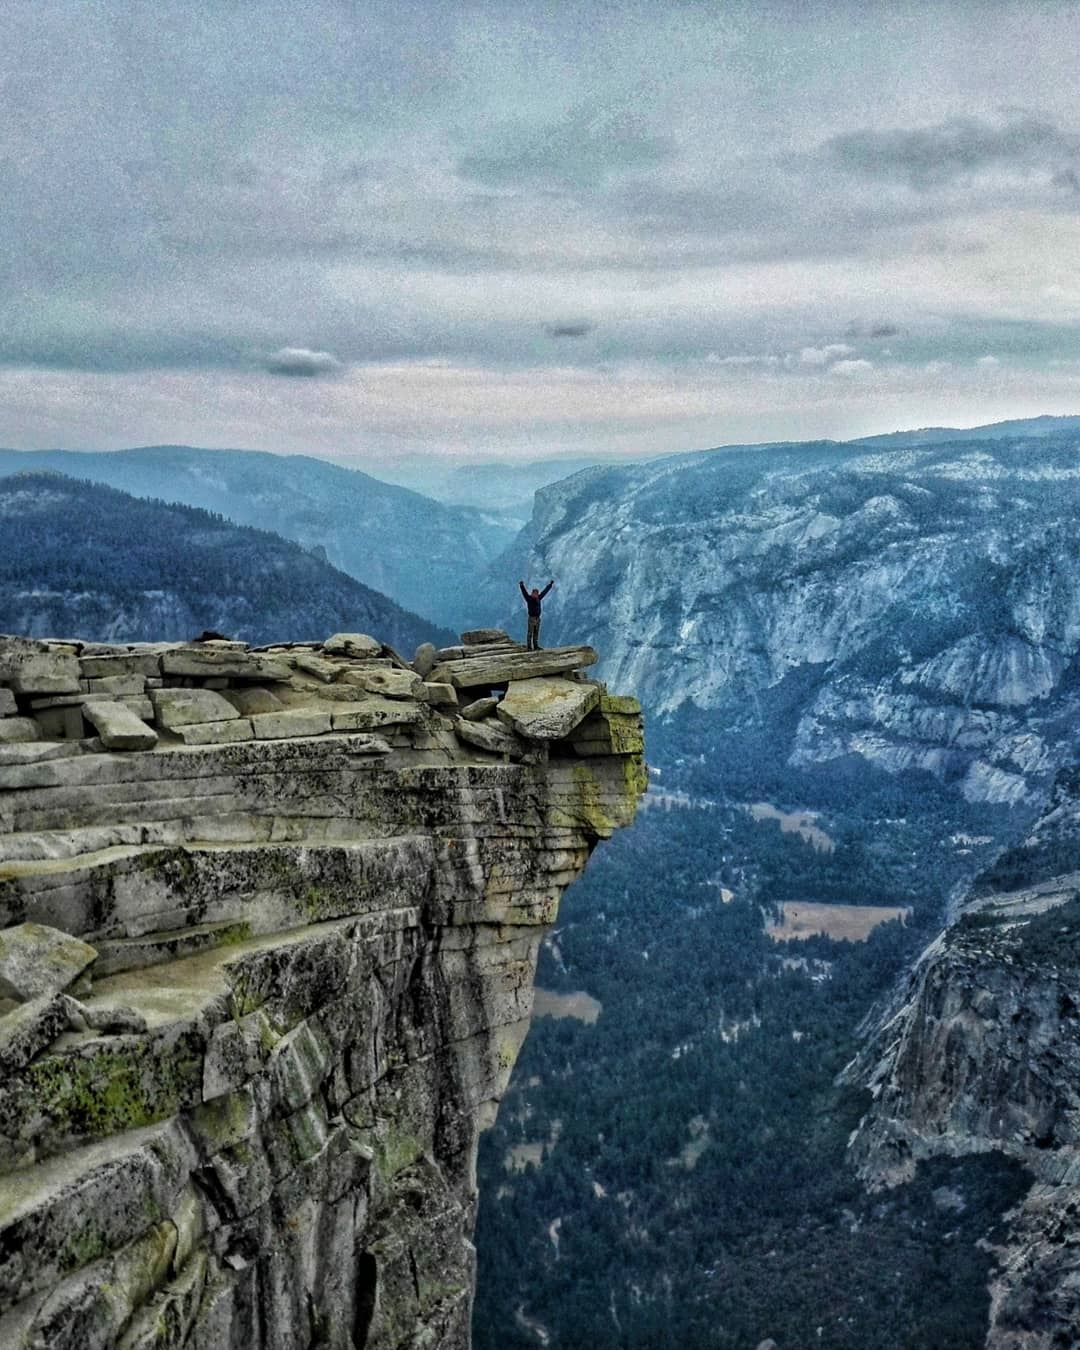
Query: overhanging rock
(305, 957)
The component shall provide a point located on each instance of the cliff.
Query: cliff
(916, 608)
(983, 1054)
(268, 926)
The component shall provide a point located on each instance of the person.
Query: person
(533, 599)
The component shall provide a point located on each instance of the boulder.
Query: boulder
(253, 700)
(477, 637)
(29, 1029)
(36, 668)
(235, 662)
(503, 667)
(439, 695)
(424, 659)
(547, 709)
(310, 664)
(119, 727)
(36, 960)
(285, 725)
(352, 644)
(370, 713)
(490, 736)
(8, 706)
(390, 683)
(479, 708)
(18, 729)
(175, 708)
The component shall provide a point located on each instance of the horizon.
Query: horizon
(443, 231)
(460, 460)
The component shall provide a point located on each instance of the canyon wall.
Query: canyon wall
(268, 927)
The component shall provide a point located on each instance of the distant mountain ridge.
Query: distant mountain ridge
(423, 554)
(78, 557)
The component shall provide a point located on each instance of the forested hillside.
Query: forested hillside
(424, 555)
(78, 558)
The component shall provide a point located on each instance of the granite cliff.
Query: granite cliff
(982, 1054)
(268, 926)
(913, 607)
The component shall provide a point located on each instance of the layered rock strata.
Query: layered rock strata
(268, 926)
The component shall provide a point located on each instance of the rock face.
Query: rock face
(263, 994)
(915, 607)
(983, 1054)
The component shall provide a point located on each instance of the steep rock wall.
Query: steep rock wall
(245, 1113)
(983, 1054)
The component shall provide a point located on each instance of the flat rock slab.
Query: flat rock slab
(318, 666)
(18, 729)
(352, 644)
(206, 662)
(503, 667)
(36, 668)
(547, 709)
(217, 733)
(175, 708)
(119, 727)
(283, 725)
(490, 736)
(120, 663)
(369, 714)
(390, 683)
(477, 637)
(36, 960)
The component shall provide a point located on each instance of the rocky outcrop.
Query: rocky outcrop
(263, 981)
(983, 1054)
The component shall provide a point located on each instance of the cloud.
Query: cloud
(581, 151)
(988, 362)
(872, 330)
(852, 369)
(302, 362)
(568, 330)
(930, 157)
(821, 356)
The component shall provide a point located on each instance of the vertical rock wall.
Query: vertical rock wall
(262, 984)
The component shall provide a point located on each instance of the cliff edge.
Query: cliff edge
(268, 927)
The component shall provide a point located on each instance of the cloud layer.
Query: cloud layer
(430, 226)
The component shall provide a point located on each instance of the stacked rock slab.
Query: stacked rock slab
(263, 980)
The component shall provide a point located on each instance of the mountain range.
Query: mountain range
(426, 555)
(77, 557)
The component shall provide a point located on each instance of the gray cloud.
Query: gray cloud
(302, 362)
(424, 185)
(929, 157)
(582, 151)
(568, 330)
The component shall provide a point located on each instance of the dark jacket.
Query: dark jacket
(533, 601)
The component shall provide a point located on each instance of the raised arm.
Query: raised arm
(547, 588)
(524, 592)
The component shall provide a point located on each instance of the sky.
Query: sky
(506, 231)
